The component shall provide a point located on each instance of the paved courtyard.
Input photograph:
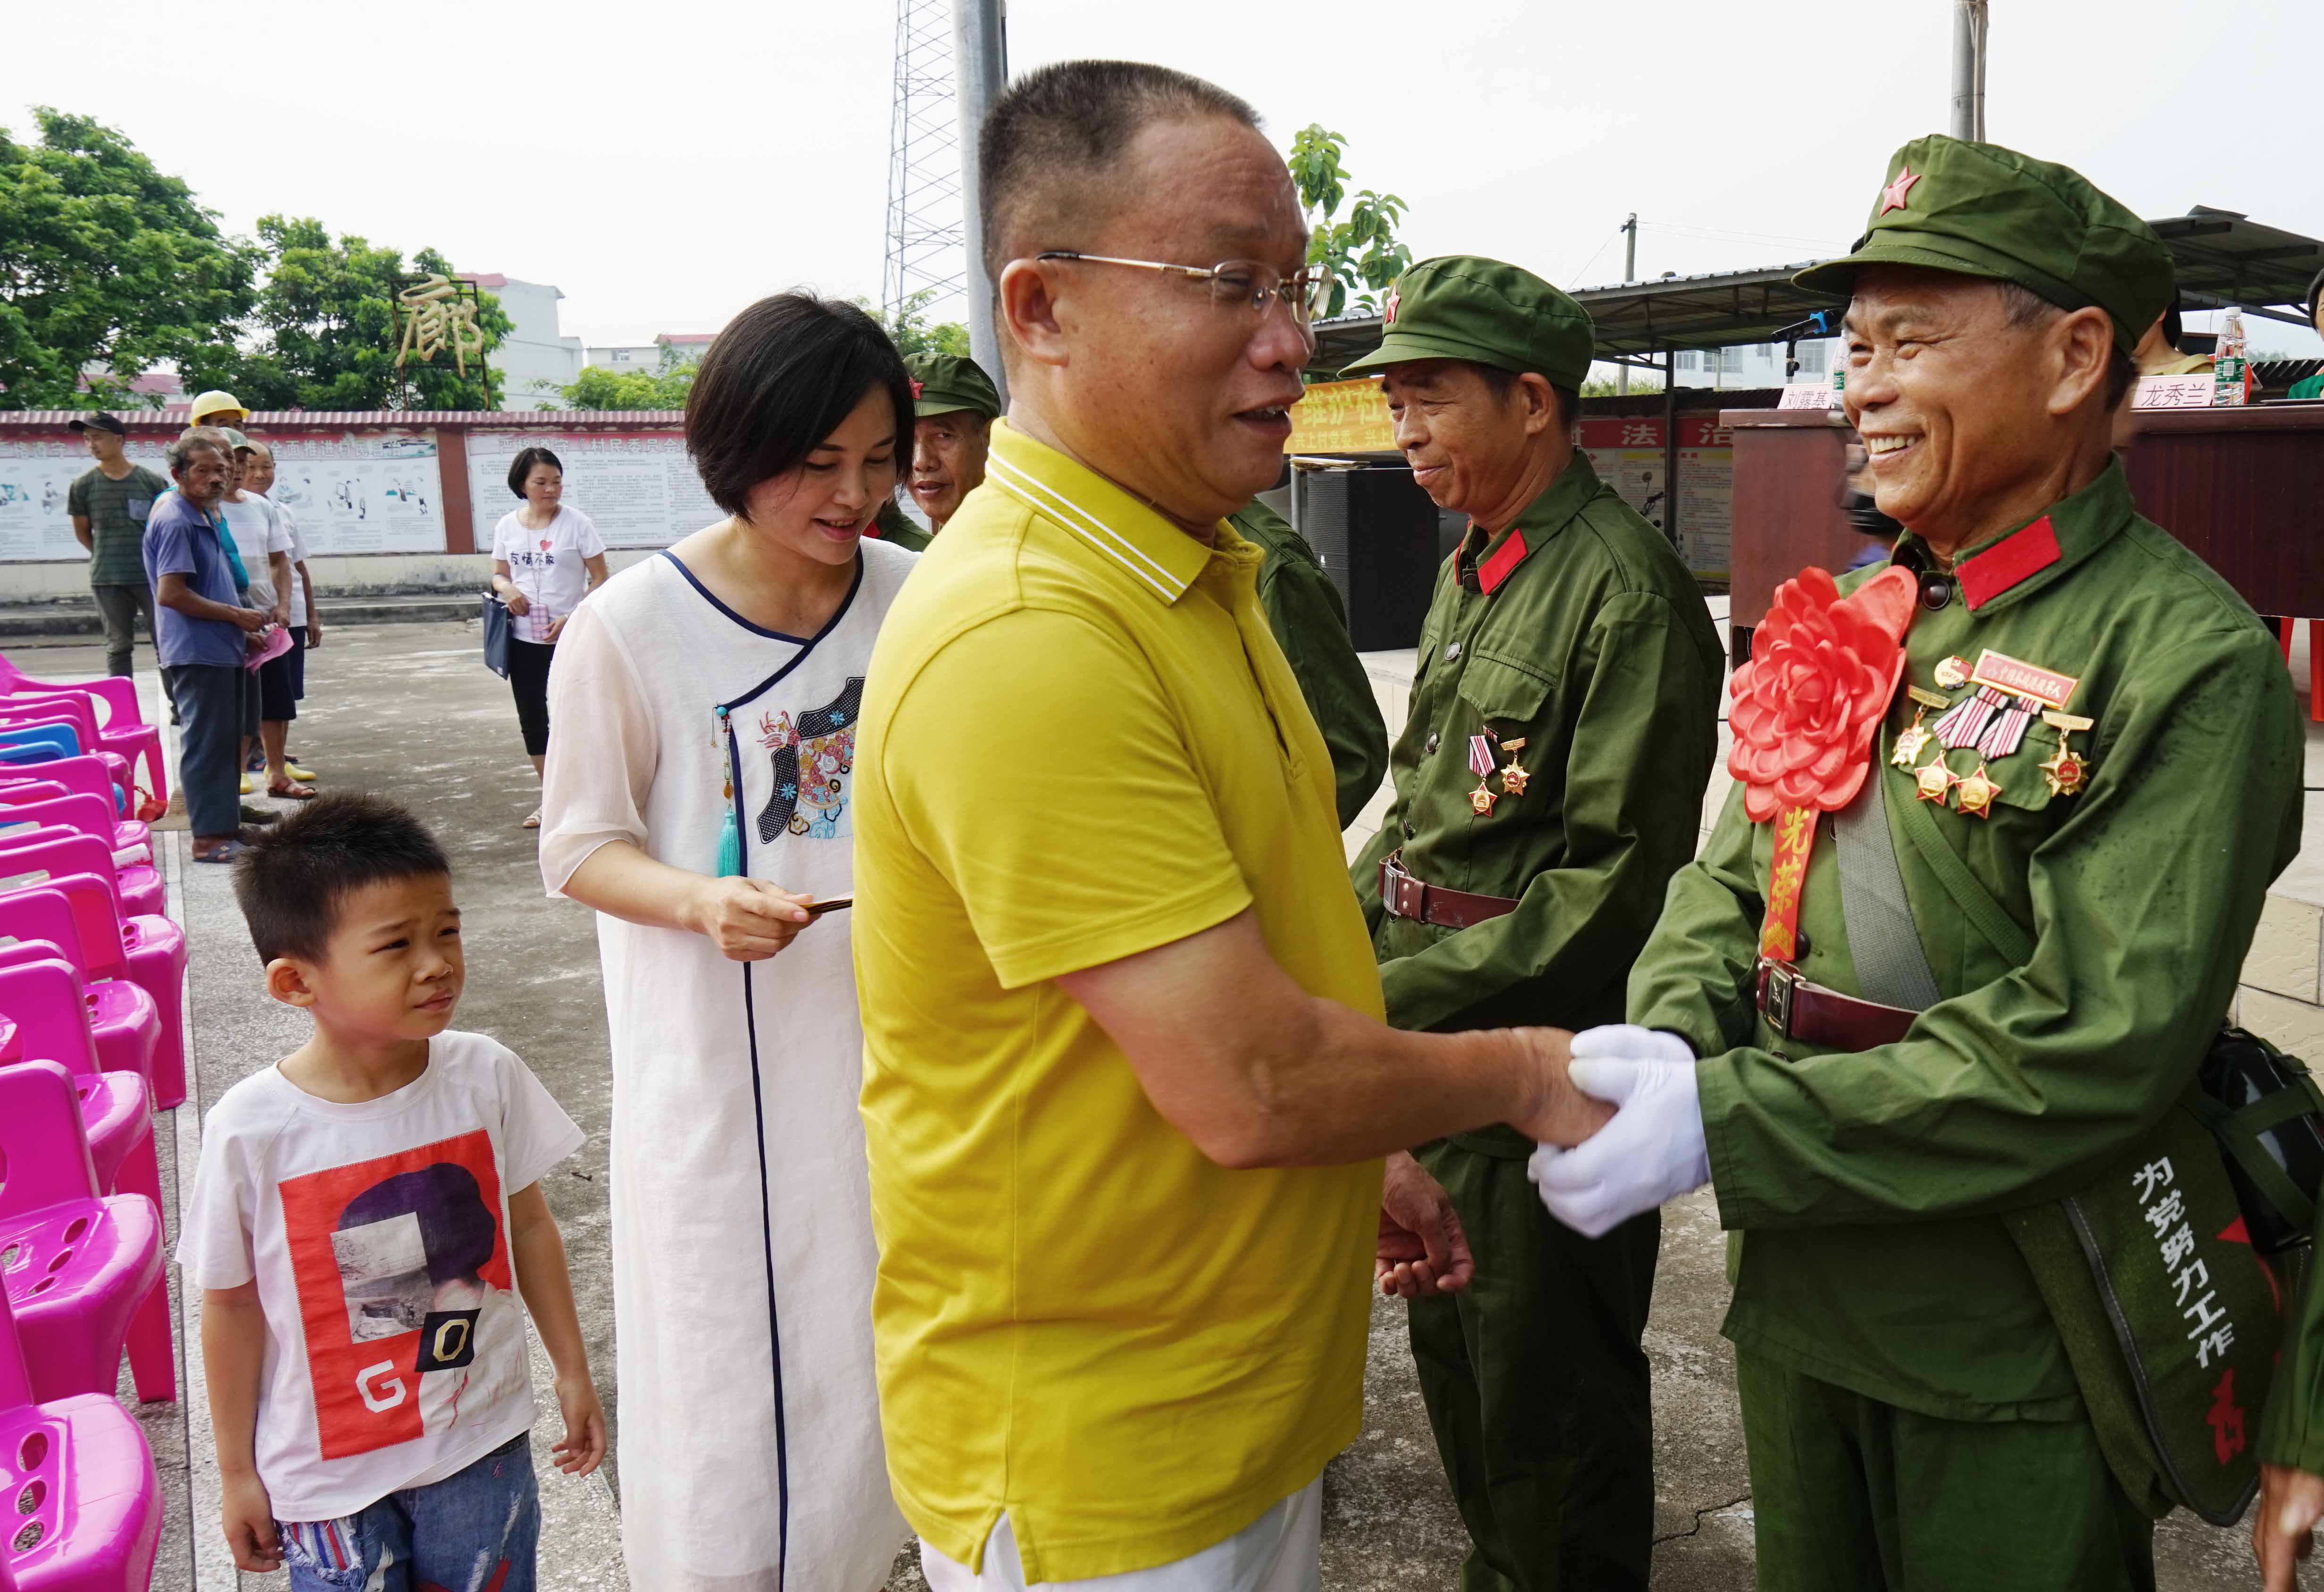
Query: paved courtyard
(408, 709)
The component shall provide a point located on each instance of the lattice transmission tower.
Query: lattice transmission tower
(926, 235)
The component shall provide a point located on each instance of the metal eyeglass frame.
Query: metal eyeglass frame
(1299, 293)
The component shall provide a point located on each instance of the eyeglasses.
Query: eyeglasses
(1243, 284)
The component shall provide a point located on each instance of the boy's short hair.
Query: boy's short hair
(291, 881)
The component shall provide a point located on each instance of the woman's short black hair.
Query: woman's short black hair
(520, 466)
(777, 381)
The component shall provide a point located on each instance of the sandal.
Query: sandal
(223, 851)
(291, 791)
(533, 822)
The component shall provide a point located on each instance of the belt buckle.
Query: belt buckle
(1406, 897)
(1783, 982)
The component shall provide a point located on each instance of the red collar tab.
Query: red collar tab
(2009, 561)
(1496, 569)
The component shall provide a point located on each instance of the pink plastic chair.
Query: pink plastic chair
(148, 952)
(62, 850)
(44, 1000)
(44, 766)
(124, 726)
(86, 774)
(122, 1017)
(131, 742)
(95, 817)
(88, 1513)
(82, 1269)
(119, 696)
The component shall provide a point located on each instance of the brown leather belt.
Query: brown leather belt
(1403, 896)
(1815, 1015)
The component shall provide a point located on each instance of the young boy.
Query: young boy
(361, 1211)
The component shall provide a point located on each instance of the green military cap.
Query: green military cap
(944, 383)
(1983, 211)
(1466, 306)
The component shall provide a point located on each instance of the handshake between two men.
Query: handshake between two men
(1625, 1137)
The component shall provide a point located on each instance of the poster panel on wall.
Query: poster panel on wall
(1628, 453)
(35, 478)
(639, 491)
(360, 493)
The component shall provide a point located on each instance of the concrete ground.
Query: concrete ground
(409, 711)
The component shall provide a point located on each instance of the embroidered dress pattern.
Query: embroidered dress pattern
(813, 757)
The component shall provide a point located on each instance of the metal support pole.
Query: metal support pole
(1630, 274)
(1670, 444)
(1968, 69)
(981, 69)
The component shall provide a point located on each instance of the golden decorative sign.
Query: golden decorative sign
(1342, 418)
(435, 316)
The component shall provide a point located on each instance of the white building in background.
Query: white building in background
(535, 358)
(687, 346)
(1752, 365)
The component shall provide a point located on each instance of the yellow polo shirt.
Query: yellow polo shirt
(1080, 742)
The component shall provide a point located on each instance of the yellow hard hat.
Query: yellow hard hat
(212, 403)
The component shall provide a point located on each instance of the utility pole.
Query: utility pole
(1630, 274)
(1969, 21)
(980, 69)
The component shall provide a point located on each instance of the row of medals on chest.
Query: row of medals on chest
(1994, 720)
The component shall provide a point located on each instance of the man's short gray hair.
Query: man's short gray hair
(191, 441)
(2022, 307)
(1051, 142)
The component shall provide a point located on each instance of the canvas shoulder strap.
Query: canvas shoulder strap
(1891, 967)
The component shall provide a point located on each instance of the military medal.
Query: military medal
(1514, 777)
(2004, 673)
(1911, 745)
(2065, 773)
(1952, 674)
(1480, 764)
(1973, 794)
(1934, 781)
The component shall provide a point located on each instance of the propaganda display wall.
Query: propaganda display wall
(387, 501)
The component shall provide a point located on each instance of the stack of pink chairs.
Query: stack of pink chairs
(123, 731)
(73, 880)
(65, 835)
(84, 774)
(88, 1503)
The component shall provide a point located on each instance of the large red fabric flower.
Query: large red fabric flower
(1807, 705)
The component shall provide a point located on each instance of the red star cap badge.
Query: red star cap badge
(916, 389)
(1394, 298)
(1891, 198)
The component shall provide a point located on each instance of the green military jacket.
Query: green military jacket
(1310, 623)
(1577, 629)
(1866, 1184)
(891, 524)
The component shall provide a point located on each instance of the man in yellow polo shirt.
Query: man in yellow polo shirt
(1125, 1080)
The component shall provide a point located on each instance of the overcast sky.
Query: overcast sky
(664, 166)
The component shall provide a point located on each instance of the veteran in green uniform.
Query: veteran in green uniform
(954, 405)
(1548, 783)
(2086, 777)
(1310, 624)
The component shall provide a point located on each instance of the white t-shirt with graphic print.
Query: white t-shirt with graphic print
(546, 565)
(378, 1234)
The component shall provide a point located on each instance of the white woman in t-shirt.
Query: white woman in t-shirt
(546, 558)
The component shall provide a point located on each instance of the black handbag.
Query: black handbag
(495, 616)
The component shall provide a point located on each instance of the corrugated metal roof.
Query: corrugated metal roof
(174, 416)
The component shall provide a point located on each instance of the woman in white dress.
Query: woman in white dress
(698, 796)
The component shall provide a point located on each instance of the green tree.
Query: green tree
(668, 388)
(327, 331)
(907, 327)
(105, 265)
(1361, 253)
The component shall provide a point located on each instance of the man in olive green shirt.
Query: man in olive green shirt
(109, 504)
(953, 406)
(2092, 751)
(1310, 623)
(1548, 783)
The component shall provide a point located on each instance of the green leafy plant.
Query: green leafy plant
(327, 331)
(668, 388)
(1362, 252)
(910, 329)
(108, 267)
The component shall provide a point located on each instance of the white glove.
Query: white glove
(1652, 1151)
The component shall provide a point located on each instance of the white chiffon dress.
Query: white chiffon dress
(748, 1417)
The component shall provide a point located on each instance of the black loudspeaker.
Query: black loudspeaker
(1378, 535)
